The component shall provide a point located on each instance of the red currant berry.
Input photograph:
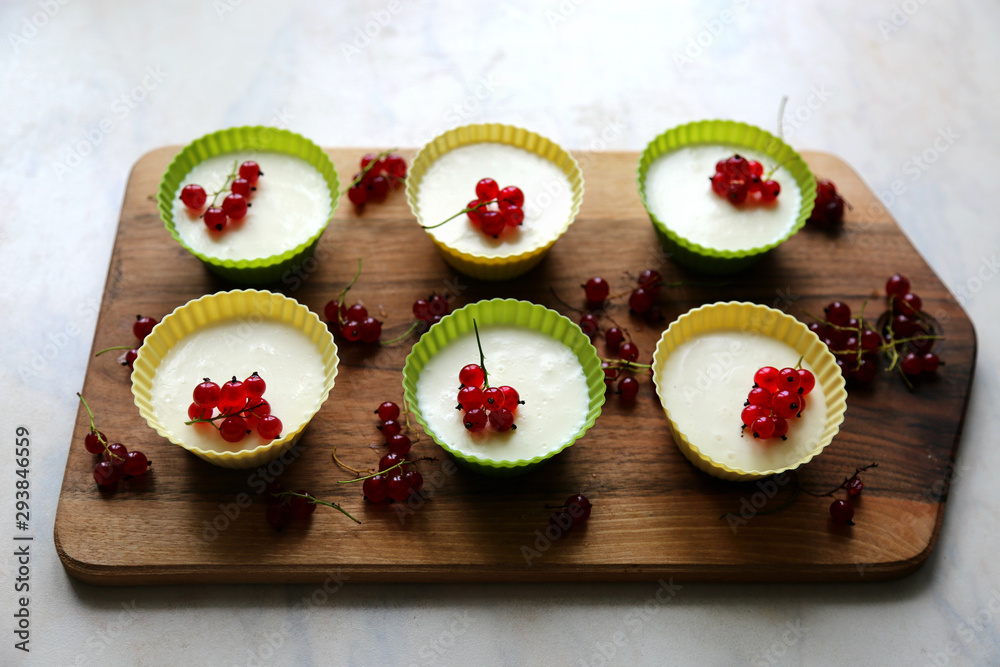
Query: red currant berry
(241, 186)
(613, 337)
(475, 420)
(207, 394)
(390, 428)
(842, 512)
(911, 303)
(628, 387)
(650, 280)
(470, 397)
(763, 428)
(388, 461)
(135, 464)
(807, 381)
(854, 486)
(106, 474)
(578, 507)
(720, 183)
(513, 216)
(512, 195)
(376, 488)
(193, 196)
(897, 285)
(278, 515)
(904, 326)
(233, 428)
(596, 289)
(780, 427)
(929, 362)
(752, 413)
(387, 411)
(215, 218)
(474, 213)
(865, 372)
(769, 191)
(395, 166)
(357, 194)
(422, 310)
(301, 507)
(378, 189)
(130, 357)
(254, 386)
(250, 171)
(195, 411)
(589, 324)
(870, 340)
(398, 489)
(143, 326)
(785, 404)
(760, 397)
(357, 312)
(492, 223)
(116, 453)
(235, 206)
(788, 379)
(414, 481)
(737, 192)
(371, 330)
(838, 313)
(511, 398)
(333, 311)
(501, 419)
(487, 189)
(472, 375)
(269, 427)
(399, 444)
(756, 168)
(94, 441)
(233, 393)
(911, 364)
(640, 300)
(493, 398)
(767, 378)
(438, 305)
(352, 331)
(628, 351)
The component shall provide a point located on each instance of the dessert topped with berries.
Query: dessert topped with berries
(249, 205)
(475, 408)
(724, 198)
(704, 386)
(502, 219)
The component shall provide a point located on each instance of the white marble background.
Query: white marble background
(875, 81)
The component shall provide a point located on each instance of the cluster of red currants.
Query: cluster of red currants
(397, 478)
(641, 300)
(116, 461)
(910, 327)
(494, 209)
(241, 184)
(398, 442)
(241, 406)
(841, 510)
(828, 211)
(776, 397)
(284, 506)
(431, 309)
(353, 322)
(140, 328)
(740, 180)
(484, 404)
(379, 173)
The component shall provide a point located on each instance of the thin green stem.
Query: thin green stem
(221, 415)
(93, 429)
(482, 357)
(623, 363)
(316, 501)
(368, 167)
(116, 347)
(462, 212)
(225, 185)
(374, 474)
(343, 293)
(392, 341)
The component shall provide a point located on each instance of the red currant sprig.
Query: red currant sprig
(841, 509)
(828, 210)
(740, 181)
(776, 397)
(574, 512)
(284, 506)
(354, 322)
(482, 404)
(116, 462)
(239, 184)
(493, 210)
(241, 407)
(396, 479)
(140, 328)
(379, 173)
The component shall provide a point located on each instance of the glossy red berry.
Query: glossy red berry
(767, 378)
(414, 481)
(769, 191)
(578, 506)
(388, 461)
(106, 474)
(842, 512)
(250, 171)
(395, 166)
(371, 330)
(650, 280)
(472, 375)
(511, 398)
(493, 398)
(235, 206)
(910, 304)
(233, 393)
(195, 411)
(930, 362)
(807, 381)
(233, 428)
(116, 453)
(589, 324)
(474, 213)
(513, 216)
(628, 351)
(241, 186)
(628, 387)
(487, 189)
(512, 195)
(788, 379)
(352, 331)
(193, 196)
(613, 337)
(897, 285)
(269, 427)
(838, 313)
(357, 194)
(387, 411)
(752, 413)
(911, 364)
(135, 464)
(215, 218)
(254, 386)
(378, 189)
(470, 397)
(596, 289)
(143, 326)
(390, 428)
(760, 397)
(780, 427)
(785, 404)
(376, 489)
(737, 192)
(398, 488)
(501, 419)
(301, 507)
(491, 222)
(854, 486)
(641, 300)
(94, 441)
(763, 428)
(399, 444)
(475, 420)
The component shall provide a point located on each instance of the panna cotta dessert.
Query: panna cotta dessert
(703, 386)
(450, 183)
(283, 355)
(678, 193)
(548, 378)
(289, 205)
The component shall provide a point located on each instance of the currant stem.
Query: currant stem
(623, 364)
(462, 212)
(225, 185)
(222, 415)
(392, 341)
(316, 501)
(857, 471)
(116, 347)
(375, 474)
(482, 358)
(347, 467)
(93, 429)
(560, 300)
(343, 293)
(368, 167)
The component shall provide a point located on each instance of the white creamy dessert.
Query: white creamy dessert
(450, 184)
(291, 204)
(679, 193)
(288, 361)
(546, 374)
(704, 384)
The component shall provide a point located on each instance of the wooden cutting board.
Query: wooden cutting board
(654, 514)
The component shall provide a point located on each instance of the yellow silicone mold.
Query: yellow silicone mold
(506, 266)
(221, 307)
(764, 321)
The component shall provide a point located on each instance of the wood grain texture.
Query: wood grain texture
(655, 515)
